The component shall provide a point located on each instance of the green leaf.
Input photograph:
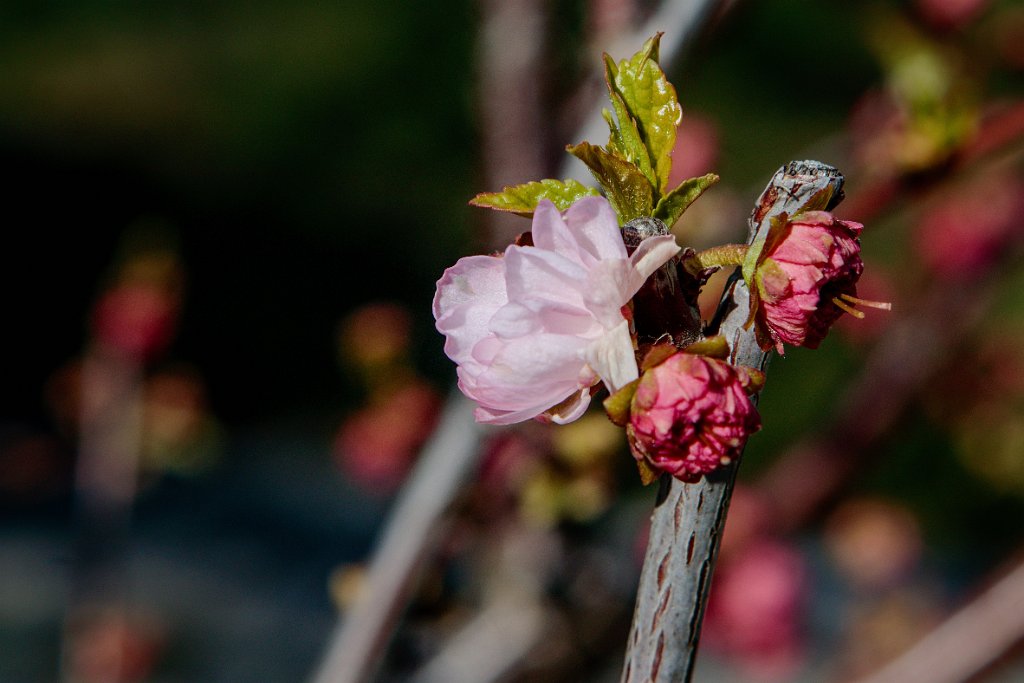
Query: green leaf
(625, 185)
(523, 199)
(652, 103)
(624, 139)
(672, 205)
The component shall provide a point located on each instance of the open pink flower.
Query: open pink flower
(690, 415)
(806, 277)
(533, 330)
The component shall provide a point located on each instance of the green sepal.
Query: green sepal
(778, 228)
(523, 199)
(750, 261)
(624, 139)
(656, 355)
(671, 206)
(618, 404)
(752, 379)
(713, 347)
(625, 185)
(652, 103)
(648, 475)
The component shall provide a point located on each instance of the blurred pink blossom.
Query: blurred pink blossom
(695, 151)
(375, 335)
(533, 330)
(874, 543)
(950, 13)
(965, 231)
(377, 445)
(690, 415)
(754, 610)
(136, 319)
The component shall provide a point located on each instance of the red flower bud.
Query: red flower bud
(805, 278)
(690, 415)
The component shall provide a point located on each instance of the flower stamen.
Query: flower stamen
(849, 309)
(883, 305)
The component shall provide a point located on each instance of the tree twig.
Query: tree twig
(446, 462)
(967, 642)
(688, 519)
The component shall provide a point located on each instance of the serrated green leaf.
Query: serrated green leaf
(624, 184)
(652, 103)
(615, 142)
(625, 140)
(523, 199)
(671, 206)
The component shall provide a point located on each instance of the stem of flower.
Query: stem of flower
(725, 255)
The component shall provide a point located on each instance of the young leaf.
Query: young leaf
(653, 104)
(672, 205)
(624, 184)
(624, 140)
(523, 199)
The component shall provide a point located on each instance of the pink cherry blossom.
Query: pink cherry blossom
(690, 415)
(814, 261)
(534, 329)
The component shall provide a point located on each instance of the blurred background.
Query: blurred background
(225, 221)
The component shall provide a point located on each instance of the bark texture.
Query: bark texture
(688, 519)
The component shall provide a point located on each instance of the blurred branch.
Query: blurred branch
(490, 645)
(106, 474)
(415, 524)
(966, 643)
(688, 519)
(511, 61)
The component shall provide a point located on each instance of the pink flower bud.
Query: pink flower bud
(806, 278)
(690, 415)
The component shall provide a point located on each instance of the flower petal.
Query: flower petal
(468, 295)
(651, 254)
(533, 273)
(571, 408)
(550, 232)
(612, 357)
(595, 227)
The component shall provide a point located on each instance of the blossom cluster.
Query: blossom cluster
(537, 329)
